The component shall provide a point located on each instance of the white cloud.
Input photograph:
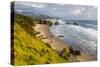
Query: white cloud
(38, 5)
(19, 10)
(60, 10)
(77, 12)
(61, 4)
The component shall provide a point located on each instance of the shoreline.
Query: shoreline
(48, 37)
(59, 44)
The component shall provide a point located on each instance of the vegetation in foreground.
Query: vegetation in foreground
(29, 50)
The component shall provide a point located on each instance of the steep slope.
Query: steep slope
(27, 49)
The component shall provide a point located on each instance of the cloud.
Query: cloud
(19, 10)
(58, 10)
(61, 4)
(82, 8)
(77, 12)
(38, 5)
(54, 8)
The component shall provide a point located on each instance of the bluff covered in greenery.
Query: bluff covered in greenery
(28, 49)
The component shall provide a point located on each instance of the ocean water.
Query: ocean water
(81, 37)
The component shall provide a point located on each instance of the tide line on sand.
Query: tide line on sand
(59, 44)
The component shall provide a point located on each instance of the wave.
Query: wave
(85, 38)
(92, 26)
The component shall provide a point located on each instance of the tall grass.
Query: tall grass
(27, 49)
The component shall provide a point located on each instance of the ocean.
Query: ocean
(81, 37)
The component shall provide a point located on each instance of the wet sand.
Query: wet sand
(57, 43)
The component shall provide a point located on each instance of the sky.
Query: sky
(66, 11)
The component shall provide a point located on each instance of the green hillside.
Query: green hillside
(27, 49)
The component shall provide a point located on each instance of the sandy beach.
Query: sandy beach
(55, 42)
(58, 44)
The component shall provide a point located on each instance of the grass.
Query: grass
(27, 49)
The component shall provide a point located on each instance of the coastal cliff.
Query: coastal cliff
(35, 44)
(27, 49)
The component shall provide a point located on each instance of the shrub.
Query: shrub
(47, 62)
(71, 50)
(48, 45)
(27, 49)
(36, 33)
(77, 52)
(50, 23)
(65, 53)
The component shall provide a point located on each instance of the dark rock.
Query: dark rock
(77, 52)
(57, 23)
(75, 23)
(60, 36)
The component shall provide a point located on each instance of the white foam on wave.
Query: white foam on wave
(89, 32)
(86, 38)
(91, 25)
